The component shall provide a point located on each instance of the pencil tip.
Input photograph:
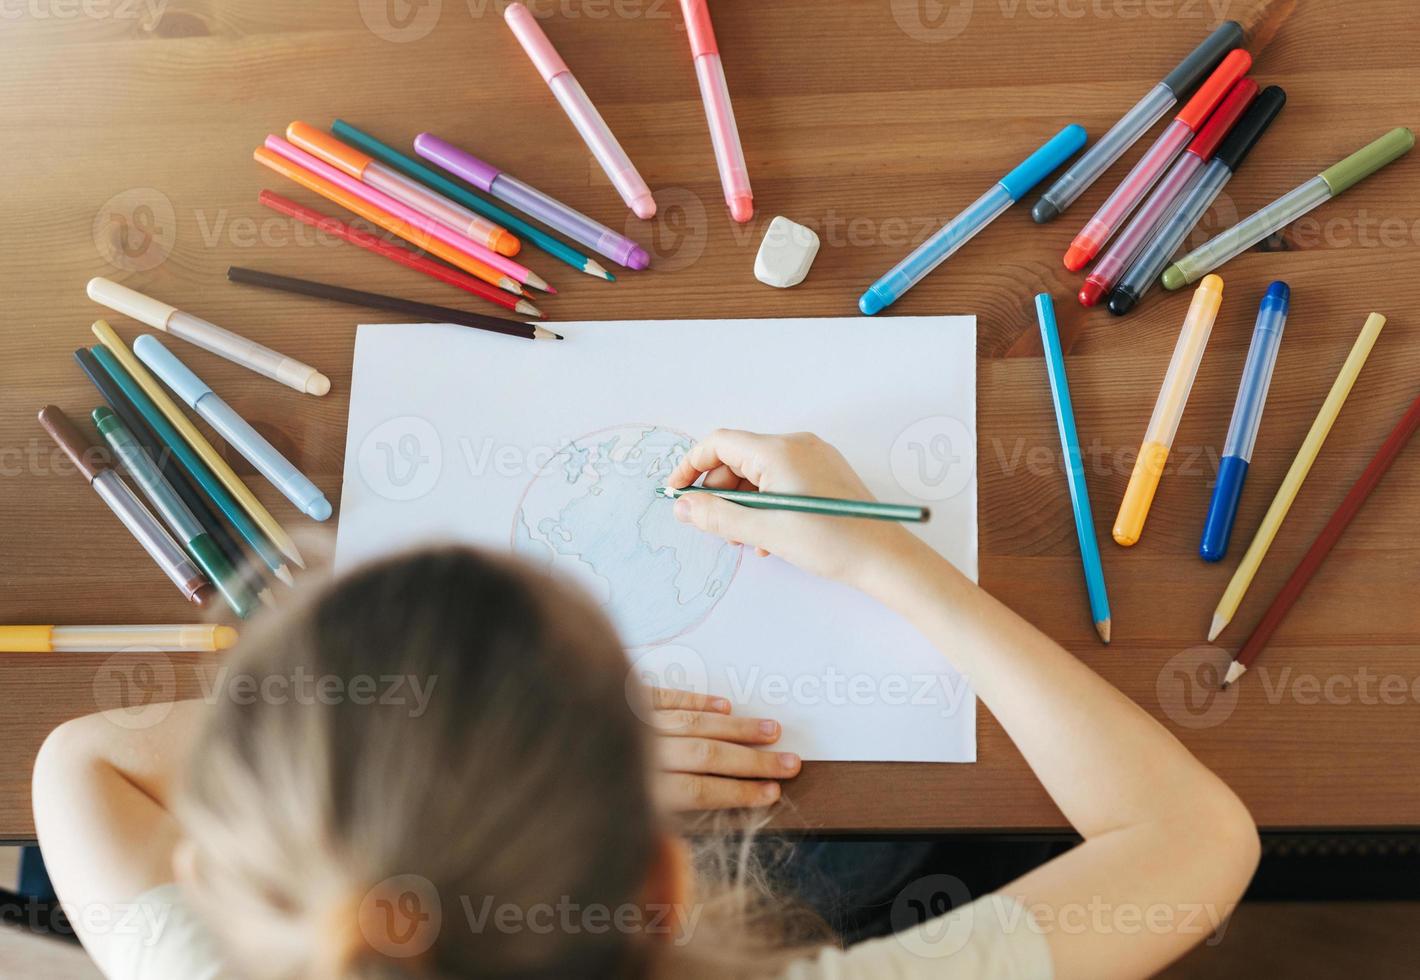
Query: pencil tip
(596, 269)
(284, 574)
(1102, 627)
(1235, 670)
(537, 282)
(527, 309)
(1218, 625)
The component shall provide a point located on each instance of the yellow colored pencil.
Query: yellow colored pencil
(1292, 482)
(224, 473)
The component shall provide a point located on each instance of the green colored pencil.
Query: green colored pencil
(828, 506)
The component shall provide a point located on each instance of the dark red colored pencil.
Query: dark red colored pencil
(1325, 541)
(396, 253)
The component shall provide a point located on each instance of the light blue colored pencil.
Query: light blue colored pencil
(1075, 468)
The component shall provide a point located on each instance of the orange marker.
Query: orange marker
(344, 157)
(383, 219)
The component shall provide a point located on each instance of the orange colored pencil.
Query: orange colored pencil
(378, 216)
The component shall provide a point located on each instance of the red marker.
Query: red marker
(1152, 165)
(1140, 231)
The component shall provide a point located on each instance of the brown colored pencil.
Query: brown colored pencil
(1325, 541)
(355, 297)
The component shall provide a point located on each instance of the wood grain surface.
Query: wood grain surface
(129, 127)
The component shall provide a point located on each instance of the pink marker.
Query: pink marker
(574, 101)
(370, 195)
(1115, 211)
(724, 134)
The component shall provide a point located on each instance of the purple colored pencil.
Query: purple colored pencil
(550, 211)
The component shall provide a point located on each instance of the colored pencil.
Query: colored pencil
(175, 446)
(224, 473)
(1355, 498)
(427, 312)
(1075, 467)
(396, 253)
(176, 476)
(383, 219)
(1292, 482)
(413, 168)
(826, 506)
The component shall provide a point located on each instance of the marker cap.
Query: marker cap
(1056, 150)
(175, 374)
(1211, 92)
(27, 639)
(144, 309)
(68, 438)
(326, 147)
(1251, 126)
(1367, 160)
(1278, 297)
(479, 173)
(1229, 111)
(1190, 70)
(530, 35)
(697, 25)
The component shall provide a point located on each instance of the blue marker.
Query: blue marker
(232, 427)
(1247, 416)
(961, 229)
(1074, 465)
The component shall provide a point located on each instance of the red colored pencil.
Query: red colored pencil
(397, 253)
(1325, 541)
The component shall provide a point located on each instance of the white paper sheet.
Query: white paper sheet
(552, 449)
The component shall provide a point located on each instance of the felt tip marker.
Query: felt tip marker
(1136, 122)
(1168, 411)
(579, 108)
(1167, 196)
(961, 229)
(715, 93)
(1132, 189)
(1144, 271)
(1247, 416)
(239, 434)
(1289, 207)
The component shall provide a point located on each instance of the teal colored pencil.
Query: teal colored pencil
(829, 506)
(1075, 468)
(189, 460)
(391, 157)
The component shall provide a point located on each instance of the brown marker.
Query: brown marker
(126, 507)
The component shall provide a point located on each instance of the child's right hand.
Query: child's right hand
(848, 550)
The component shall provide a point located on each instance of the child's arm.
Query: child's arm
(101, 793)
(1167, 844)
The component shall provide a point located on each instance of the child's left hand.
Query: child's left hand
(706, 758)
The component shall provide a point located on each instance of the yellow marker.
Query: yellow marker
(1168, 410)
(196, 638)
(1292, 482)
(224, 473)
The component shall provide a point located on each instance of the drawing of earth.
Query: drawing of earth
(591, 512)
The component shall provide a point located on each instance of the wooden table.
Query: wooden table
(128, 154)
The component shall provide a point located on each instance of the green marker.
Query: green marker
(1288, 208)
(828, 506)
(189, 460)
(175, 514)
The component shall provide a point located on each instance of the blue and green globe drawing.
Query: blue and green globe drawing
(592, 512)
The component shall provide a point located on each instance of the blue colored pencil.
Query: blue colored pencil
(1075, 468)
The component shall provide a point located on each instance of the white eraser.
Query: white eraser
(785, 254)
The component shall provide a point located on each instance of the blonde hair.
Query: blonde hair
(375, 837)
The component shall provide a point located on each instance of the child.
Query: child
(515, 822)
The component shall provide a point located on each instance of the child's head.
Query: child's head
(444, 727)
